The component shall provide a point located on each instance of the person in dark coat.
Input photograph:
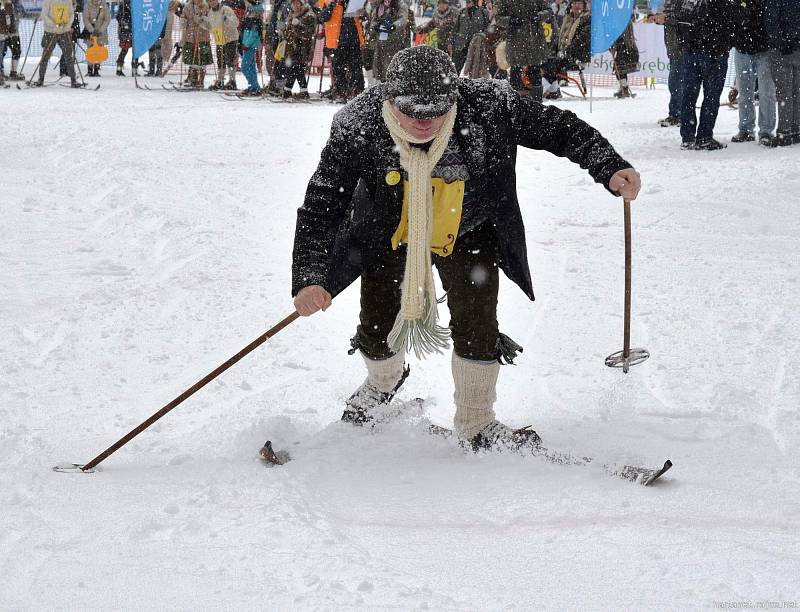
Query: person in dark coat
(706, 37)
(675, 56)
(420, 170)
(782, 20)
(752, 61)
(472, 20)
(573, 49)
(626, 60)
(526, 47)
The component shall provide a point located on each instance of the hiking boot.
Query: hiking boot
(215, 86)
(76, 85)
(301, 95)
(687, 145)
(497, 436)
(624, 92)
(796, 138)
(15, 76)
(743, 137)
(384, 378)
(709, 144)
(286, 94)
(784, 140)
(39, 83)
(553, 95)
(230, 86)
(119, 71)
(768, 141)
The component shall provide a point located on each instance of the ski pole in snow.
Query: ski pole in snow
(89, 467)
(627, 357)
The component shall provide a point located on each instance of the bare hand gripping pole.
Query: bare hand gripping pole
(74, 467)
(627, 357)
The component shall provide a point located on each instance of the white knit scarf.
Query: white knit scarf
(416, 324)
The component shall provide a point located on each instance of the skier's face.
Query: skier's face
(423, 129)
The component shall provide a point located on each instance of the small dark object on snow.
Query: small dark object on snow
(269, 455)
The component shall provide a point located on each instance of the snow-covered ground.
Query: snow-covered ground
(146, 237)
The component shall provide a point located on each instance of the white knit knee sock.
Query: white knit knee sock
(383, 374)
(475, 383)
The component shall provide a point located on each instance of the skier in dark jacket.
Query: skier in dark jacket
(574, 46)
(420, 170)
(706, 37)
(526, 43)
(675, 56)
(782, 20)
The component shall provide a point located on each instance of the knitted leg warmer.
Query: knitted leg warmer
(475, 384)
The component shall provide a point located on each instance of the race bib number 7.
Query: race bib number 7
(219, 36)
(61, 14)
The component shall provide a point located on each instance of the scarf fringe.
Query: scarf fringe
(424, 336)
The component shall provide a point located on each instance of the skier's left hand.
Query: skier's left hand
(626, 183)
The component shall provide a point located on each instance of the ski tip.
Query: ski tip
(649, 481)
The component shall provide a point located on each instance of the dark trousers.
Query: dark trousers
(296, 72)
(347, 76)
(12, 43)
(460, 58)
(675, 84)
(226, 58)
(469, 276)
(49, 42)
(701, 69)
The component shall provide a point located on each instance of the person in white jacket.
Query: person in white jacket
(57, 16)
(96, 18)
(223, 24)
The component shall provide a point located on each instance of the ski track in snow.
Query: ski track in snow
(147, 237)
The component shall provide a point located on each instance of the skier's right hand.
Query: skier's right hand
(311, 299)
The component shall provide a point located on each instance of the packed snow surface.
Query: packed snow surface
(147, 237)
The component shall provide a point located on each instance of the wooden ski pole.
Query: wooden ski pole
(626, 341)
(182, 397)
(627, 357)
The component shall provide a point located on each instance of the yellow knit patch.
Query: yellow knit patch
(61, 14)
(448, 199)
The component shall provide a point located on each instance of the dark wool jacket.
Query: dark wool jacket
(750, 33)
(525, 42)
(350, 212)
(711, 30)
(782, 20)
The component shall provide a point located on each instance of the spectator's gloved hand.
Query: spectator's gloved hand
(626, 183)
(311, 299)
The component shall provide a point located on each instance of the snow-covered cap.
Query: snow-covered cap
(422, 82)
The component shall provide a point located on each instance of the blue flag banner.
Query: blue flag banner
(609, 20)
(148, 17)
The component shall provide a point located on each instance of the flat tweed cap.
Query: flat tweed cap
(422, 82)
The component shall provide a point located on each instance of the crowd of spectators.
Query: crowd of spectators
(534, 44)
